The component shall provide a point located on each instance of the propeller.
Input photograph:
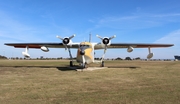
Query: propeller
(66, 40)
(106, 41)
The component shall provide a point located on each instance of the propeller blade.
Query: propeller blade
(112, 37)
(72, 36)
(59, 37)
(99, 37)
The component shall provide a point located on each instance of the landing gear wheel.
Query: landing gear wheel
(83, 65)
(71, 63)
(102, 65)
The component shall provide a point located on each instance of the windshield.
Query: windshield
(84, 45)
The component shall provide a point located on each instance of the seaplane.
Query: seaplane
(86, 50)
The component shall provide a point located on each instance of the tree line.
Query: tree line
(61, 58)
(96, 58)
(3, 57)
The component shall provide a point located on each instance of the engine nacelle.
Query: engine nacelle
(26, 54)
(106, 41)
(150, 55)
(67, 41)
(130, 49)
(45, 49)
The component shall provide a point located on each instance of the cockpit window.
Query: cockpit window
(83, 45)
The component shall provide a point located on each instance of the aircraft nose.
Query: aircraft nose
(82, 52)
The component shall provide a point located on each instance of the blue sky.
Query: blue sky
(133, 21)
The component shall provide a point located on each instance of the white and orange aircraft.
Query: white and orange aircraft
(85, 52)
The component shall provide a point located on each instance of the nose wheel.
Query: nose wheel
(83, 65)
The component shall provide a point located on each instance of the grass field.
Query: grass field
(155, 82)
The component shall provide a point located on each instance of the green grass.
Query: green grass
(155, 82)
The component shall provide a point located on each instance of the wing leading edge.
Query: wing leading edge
(39, 45)
(134, 45)
(97, 46)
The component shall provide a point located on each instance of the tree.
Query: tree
(138, 58)
(3, 57)
(118, 58)
(128, 58)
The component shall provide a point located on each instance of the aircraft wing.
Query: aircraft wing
(97, 46)
(134, 45)
(39, 45)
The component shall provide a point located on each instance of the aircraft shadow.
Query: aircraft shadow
(31, 66)
(61, 68)
(67, 68)
(131, 67)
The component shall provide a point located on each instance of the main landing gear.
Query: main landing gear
(102, 64)
(106, 41)
(71, 63)
(68, 43)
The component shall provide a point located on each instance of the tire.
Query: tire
(71, 64)
(83, 65)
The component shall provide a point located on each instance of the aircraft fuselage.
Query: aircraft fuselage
(86, 49)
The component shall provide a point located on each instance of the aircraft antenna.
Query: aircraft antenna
(90, 37)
